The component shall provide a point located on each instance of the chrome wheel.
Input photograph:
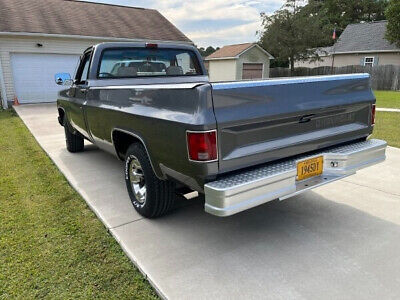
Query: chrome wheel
(137, 180)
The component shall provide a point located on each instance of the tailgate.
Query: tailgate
(261, 121)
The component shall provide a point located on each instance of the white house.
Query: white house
(39, 38)
(237, 62)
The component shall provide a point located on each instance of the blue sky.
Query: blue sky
(211, 22)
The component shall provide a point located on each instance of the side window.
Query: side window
(82, 74)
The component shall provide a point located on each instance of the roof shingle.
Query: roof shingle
(70, 17)
(364, 37)
(230, 50)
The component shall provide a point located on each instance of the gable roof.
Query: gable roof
(230, 50)
(69, 17)
(364, 37)
(234, 51)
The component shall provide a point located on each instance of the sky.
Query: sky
(211, 22)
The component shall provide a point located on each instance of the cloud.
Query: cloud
(232, 35)
(219, 22)
(212, 22)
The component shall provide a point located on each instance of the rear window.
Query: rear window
(143, 62)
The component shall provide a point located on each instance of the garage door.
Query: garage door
(34, 75)
(252, 71)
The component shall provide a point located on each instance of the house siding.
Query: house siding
(349, 59)
(24, 44)
(222, 70)
(254, 55)
(342, 60)
(324, 62)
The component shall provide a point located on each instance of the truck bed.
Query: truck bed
(267, 120)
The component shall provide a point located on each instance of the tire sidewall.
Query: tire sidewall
(74, 142)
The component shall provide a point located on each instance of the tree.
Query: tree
(393, 17)
(340, 13)
(206, 52)
(290, 33)
(295, 31)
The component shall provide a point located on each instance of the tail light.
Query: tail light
(202, 145)
(373, 114)
(151, 45)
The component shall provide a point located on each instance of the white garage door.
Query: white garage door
(34, 75)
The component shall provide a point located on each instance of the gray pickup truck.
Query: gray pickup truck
(240, 143)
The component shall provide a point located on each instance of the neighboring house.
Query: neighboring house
(39, 38)
(325, 59)
(236, 62)
(361, 44)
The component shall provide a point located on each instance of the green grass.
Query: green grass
(387, 99)
(51, 244)
(387, 127)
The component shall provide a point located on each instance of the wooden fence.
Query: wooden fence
(382, 77)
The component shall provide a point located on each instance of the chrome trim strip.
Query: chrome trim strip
(284, 81)
(173, 86)
(202, 131)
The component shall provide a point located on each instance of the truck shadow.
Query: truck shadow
(309, 211)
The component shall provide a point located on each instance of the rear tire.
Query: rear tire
(150, 196)
(74, 141)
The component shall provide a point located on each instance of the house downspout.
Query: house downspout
(3, 88)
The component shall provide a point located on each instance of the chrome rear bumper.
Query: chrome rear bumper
(235, 193)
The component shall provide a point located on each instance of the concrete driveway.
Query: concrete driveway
(340, 241)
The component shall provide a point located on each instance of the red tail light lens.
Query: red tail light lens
(202, 146)
(151, 45)
(373, 114)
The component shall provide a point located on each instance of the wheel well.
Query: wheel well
(61, 115)
(122, 141)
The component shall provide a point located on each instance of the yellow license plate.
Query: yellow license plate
(310, 167)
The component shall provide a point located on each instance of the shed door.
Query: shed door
(34, 75)
(252, 71)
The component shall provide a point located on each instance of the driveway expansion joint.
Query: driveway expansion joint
(126, 223)
(372, 188)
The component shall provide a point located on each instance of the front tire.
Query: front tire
(74, 142)
(150, 196)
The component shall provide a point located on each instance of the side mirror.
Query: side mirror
(63, 79)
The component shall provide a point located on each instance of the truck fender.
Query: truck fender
(139, 139)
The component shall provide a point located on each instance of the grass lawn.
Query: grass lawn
(51, 244)
(387, 127)
(387, 99)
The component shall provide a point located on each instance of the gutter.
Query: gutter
(219, 58)
(3, 88)
(366, 51)
(85, 37)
